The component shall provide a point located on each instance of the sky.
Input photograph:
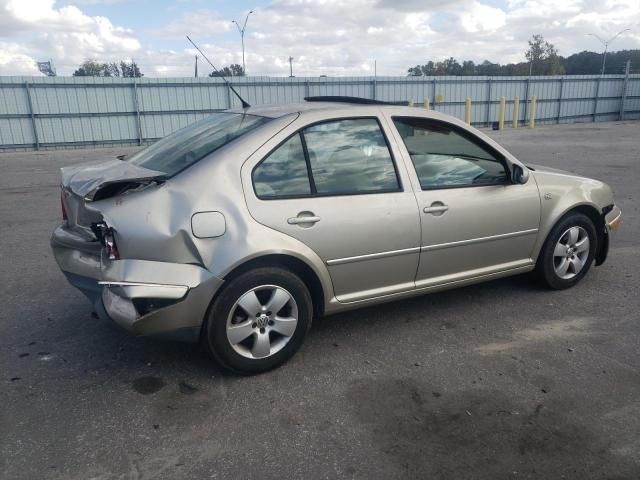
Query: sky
(325, 37)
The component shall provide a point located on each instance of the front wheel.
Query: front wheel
(568, 252)
(258, 321)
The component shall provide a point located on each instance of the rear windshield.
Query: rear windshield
(188, 145)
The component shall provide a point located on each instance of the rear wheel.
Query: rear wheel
(259, 320)
(568, 252)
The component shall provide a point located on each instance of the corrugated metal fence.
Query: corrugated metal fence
(59, 112)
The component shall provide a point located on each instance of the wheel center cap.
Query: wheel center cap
(262, 320)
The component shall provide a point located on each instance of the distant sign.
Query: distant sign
(46, 68)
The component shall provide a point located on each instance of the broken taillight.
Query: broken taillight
(111, 249)
(64, 210)
(106, 237)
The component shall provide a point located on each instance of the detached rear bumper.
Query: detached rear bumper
(143, 297)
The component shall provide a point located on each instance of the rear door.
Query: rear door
(335, 186)
(475, 222)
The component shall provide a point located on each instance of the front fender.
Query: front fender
(562, 192)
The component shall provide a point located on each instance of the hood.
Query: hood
(85, 180)
(553, 171)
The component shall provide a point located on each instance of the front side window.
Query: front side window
(190, 144)
(445, 158)
(350, 156)
(283, 173)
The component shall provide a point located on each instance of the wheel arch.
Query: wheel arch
(603, 236)
(590, 211)
(291, 263)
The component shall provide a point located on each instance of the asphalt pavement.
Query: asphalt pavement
(503, 380)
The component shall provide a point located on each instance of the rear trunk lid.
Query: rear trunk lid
(82, 184)
(87, 180)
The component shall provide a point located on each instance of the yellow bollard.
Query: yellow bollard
(532, 113)
(516, 111)
(426, 104)
(501, 113)
(467, 111)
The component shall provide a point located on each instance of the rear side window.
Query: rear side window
(284, 172)
(339, 157)
(445, 158)
(350, 156)
(190, 144)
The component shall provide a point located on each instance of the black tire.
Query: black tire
(545, 267)
(215, 328)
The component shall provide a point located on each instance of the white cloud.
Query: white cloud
(15, 61)
(332, 37)
(482, 18)
(200, 22)
(65, 34)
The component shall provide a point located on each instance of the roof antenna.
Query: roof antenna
(244, 103)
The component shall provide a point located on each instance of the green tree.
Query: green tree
(468, 67)
(91, 68)
(112, 70)
(543, 57)
(427, 69)
(233, 70)
(487, 68)
(415, 71)
(451, 67)
(545, 61)
(130, 69)
(535, 53)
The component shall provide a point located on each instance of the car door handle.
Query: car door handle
(303, 219)
(435, 208)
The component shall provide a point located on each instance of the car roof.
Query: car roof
(343, 106)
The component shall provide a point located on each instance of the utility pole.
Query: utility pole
(606, 45)
(290, 67)
(242, 30)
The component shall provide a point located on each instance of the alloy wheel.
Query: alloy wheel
(262, 321)
(571, 252)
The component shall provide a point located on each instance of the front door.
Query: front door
(334, 186)
(475, 221)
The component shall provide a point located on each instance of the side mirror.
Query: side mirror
(519, 175)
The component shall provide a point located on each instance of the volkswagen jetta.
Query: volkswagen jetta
(241, 228)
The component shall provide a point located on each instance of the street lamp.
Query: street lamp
(606, 45)
(241, 30)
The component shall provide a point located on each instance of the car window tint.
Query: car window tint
(443, 157)
(350, 156)
(190, 144)
(284, 172)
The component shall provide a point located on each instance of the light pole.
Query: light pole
(241, 30)
(606, 45)
(290, 67)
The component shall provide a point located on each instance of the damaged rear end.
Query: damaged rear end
(135, 294)
(126, 240)
(143, 295)
(78, 243)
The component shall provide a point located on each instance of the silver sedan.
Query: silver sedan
(239, 229)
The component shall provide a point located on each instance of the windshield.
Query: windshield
(190, 144)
